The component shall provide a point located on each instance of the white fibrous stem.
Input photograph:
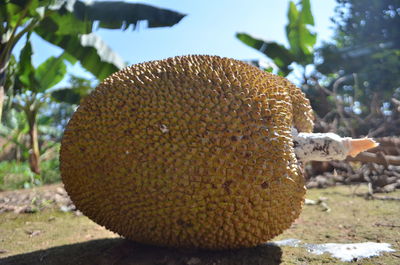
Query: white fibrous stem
(328, 146)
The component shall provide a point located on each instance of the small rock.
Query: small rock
(6, 208)
(390, 187)
(338, 178)
(310, 202)
(33, 233)
(391, 180)
(324, 181)
(312, 184)
(59, 199)
(355, 178)
(25, 209)
(68, 208)
(193, 261)
(60, 191)
(24, 197)
(88, 236)
(322, 199)
(78, 213)
(65, 208)
(48, 195)
(380, 181)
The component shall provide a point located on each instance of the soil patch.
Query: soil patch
(53, 236)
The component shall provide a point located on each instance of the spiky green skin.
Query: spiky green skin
(192, 151)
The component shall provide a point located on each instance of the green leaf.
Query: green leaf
(80, 87)
(26, 70)
(293, 13)
(66, 23)
(13, 13)
(17, 8)
(306, 13)
(89, 49)
(120, 15)
(281, 56)
(45, 120)
(77, 17)
(300, 38)
(292, 30)
(71, 59)
(50, 72)
(308, 41)
(3, 12)
(66, 95)
(269, 69)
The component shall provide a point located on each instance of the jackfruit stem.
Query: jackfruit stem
(328, 146)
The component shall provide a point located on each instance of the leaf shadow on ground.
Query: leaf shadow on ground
(118, 251)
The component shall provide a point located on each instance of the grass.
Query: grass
(17, 175)
(352, 219)
(53, 237)
(14, 174)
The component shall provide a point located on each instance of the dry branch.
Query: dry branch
(378, 158)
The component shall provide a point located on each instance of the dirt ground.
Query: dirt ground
(48, 231)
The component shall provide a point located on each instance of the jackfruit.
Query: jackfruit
(191, 151)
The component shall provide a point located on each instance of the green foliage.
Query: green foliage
(78, 89)
(33, 96)
(13, 175)
(60, 114)
(17, 175)
(281, 56)
(121, 15)
(33, 83)
(92, 52)
(300, 38)
(10, 82)
(25, 74)
(69, 24)
(42, 78)
(12, 130)
(15, 128)
(50, 171)
(365, 55)
(50, 73)
(33, 93)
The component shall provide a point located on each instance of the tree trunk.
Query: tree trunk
(3, 69)
(1, 100)
(34, 152)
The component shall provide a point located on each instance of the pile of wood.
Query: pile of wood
(380, 167)
(36, 199)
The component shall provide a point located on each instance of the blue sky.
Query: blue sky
(209, 28)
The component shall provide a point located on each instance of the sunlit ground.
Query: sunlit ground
(351, 219)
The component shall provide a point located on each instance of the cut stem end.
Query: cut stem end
(357, 146)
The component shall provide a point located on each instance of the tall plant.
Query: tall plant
(13, 131)
(364, 59)
(69, 24)
(300, 37)
(33, 86)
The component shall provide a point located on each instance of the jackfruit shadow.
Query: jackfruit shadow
(119, 251)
